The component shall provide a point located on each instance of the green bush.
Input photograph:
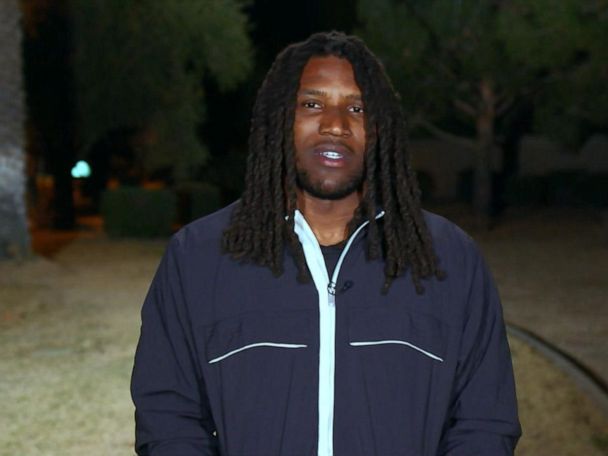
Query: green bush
(196, 199)
(466, 185)
(593, 189)
(526, 191)
(138, 212)
(560, 188)
(426, 185)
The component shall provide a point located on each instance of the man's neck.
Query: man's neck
(328, 219)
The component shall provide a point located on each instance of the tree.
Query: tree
(563, 43)
(462, 66)
(140, 64)
(14, 237)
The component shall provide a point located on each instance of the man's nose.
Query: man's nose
(334, 122)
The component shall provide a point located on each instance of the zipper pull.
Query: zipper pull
(331, 293)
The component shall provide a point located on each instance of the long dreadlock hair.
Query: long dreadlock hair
(259, 229)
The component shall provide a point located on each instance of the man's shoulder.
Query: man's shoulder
(207, 229)
(458, 253)
(445, 233)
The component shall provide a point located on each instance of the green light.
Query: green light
(81, 170)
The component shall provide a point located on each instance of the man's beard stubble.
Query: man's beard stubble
(315, 189)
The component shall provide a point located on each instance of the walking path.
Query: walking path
(552, 272)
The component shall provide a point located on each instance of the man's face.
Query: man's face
(329, 129)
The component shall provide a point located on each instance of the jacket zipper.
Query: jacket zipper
(327, 325)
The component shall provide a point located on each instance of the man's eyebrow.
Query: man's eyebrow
(354, 96)
(321, 93)
(316, 92)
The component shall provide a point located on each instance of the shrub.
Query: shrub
(526, 190)
(560, 188)
(426, 184)
(466, 185)
(593, 189)
(138, 212)
(196, 199)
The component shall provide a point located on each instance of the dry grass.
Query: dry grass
(68, 329)
(68, 332)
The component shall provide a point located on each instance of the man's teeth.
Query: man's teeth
(332, 155)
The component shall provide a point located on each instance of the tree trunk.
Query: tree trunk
(14, 236)
(485, 144)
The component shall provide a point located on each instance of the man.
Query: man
(324, 313)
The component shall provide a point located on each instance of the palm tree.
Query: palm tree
(14, 237)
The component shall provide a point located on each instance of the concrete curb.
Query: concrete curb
(583, 377)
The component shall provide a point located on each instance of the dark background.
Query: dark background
(559, 97)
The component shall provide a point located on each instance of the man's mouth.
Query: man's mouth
(333, 151)
(332, 155)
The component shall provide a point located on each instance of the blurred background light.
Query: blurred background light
(81, 170)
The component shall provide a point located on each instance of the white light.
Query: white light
(81, 169)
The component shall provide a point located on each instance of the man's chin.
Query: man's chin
(330, 192)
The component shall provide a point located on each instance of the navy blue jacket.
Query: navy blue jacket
(234, 361)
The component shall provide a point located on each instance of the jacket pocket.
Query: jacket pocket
(255, 345)
(235, 337)
(403, 365)
(260, 372)
(396, 342)
(421, 334)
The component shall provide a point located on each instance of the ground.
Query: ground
(69, 325)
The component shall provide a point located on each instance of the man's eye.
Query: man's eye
(357, 109)
(310, 104)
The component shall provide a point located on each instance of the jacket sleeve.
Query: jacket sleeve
(483, 417)
(172, 415)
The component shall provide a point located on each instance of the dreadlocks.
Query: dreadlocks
(259, 227)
